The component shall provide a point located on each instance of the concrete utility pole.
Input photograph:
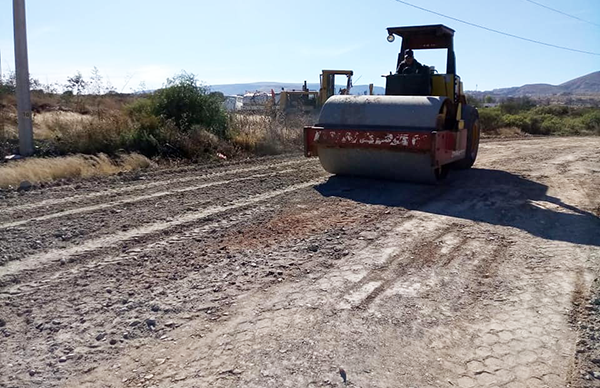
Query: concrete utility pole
(22, 73)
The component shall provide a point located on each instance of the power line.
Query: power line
(496, 31)
(563, 13)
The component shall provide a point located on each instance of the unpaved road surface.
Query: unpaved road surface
(271, 273)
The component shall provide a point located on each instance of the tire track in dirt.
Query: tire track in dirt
(68, 230)
(145, 186)
(425, 254)
(35, 261)
(50, 286)
(265, 316)
(141, 198)
(262, 303)
(233, 329)
(34, 285)
(523, 336)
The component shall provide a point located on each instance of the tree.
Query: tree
(218, 95)
(8, 84)
(96, 83)
(474, 101)
(76, 84)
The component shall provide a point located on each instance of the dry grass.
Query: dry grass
(264, 135)
(70, 132)
(505, 132)
(47, 124)
(38, 170)
(74, 133)
(8, 123)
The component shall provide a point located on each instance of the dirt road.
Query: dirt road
(271, 273)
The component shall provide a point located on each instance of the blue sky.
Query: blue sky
(234, 41)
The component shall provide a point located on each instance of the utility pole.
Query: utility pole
(22, 74)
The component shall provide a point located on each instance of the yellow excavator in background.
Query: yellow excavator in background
(298, 101)
(328, 84)
(306, 100)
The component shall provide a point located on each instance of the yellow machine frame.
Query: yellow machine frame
(327, 89)
(328, 84)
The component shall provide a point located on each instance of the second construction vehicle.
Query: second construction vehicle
(418, 131)
(306, 100)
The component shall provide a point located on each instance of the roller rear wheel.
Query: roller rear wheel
(473, 135)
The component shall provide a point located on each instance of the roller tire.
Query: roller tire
(473, 135)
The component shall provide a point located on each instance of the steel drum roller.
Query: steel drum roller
(386, 113)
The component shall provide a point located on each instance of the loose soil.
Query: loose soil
(272, 273)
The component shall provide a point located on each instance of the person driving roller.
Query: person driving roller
(409, 65)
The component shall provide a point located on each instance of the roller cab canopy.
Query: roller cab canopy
(424, 37)
(436, 36)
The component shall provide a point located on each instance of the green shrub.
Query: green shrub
(187, 104)
(555, 110)
(536, 124)
(147, 136)
(543, 120)
(573, 126)
(520, 121)
(490, 119)
(591, 121)
(551, 125)
(140, 109)
(516, 105)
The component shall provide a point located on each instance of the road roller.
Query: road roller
(418, 131)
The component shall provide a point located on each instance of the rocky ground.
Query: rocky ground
(271, 273)
(587, 355)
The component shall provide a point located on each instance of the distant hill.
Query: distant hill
(586, 85)
(232, 89)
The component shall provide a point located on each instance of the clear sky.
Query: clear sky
(234, 41)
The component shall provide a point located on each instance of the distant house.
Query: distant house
(233, 103)
(256, 101)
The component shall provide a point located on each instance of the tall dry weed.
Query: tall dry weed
(90, 134)
(269, 134)
(38, 170)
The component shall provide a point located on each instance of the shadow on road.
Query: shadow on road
(490, 196)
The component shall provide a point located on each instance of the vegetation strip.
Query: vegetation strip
(184, 119)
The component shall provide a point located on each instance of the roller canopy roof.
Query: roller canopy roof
(423, 37)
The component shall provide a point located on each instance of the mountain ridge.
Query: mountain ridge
(588, 84)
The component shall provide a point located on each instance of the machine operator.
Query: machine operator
(409, 65)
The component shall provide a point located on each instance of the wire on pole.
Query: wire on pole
(562, 13)
(497, 31)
